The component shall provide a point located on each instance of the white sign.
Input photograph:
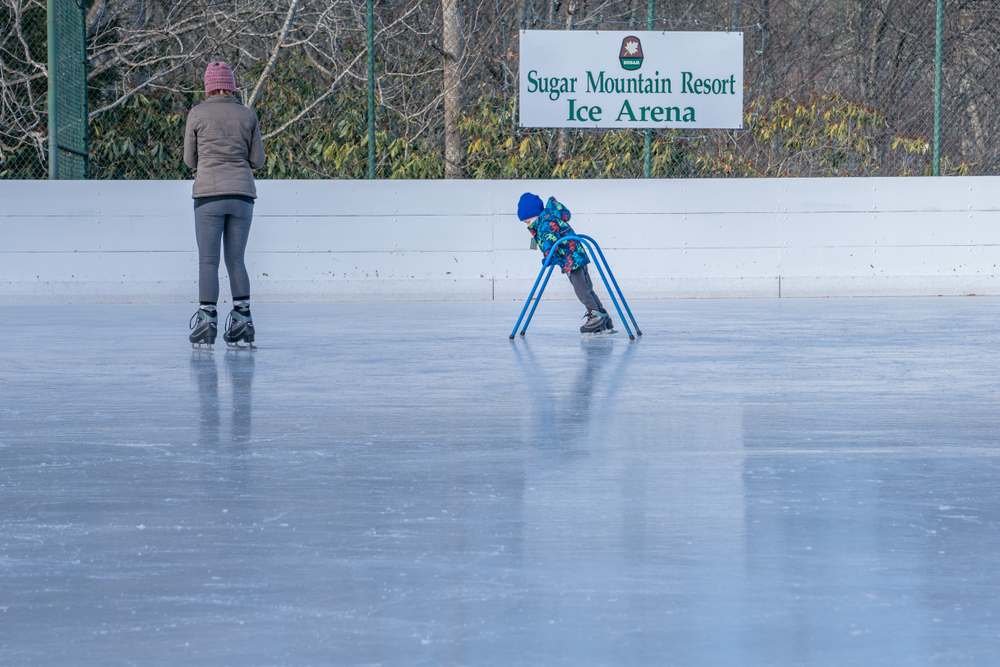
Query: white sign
(626, 80)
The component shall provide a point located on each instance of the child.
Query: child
(547, 225)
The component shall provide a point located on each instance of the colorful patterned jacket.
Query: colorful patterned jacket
(550, 226)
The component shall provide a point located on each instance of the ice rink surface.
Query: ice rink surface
(773, 483)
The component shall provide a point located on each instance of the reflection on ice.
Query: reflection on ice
(750, 483)
(239, 368)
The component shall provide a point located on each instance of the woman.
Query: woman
(222, 142)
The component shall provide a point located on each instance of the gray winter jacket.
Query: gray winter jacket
(222, 141)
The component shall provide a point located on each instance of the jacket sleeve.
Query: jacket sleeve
(190, 144)
(257, 157)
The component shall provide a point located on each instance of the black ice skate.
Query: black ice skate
(609, 326)
(239, 328)
(204, 328)
(597, 324)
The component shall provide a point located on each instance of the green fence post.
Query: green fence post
(68, 127)
(371, 89)
(53, 109)
(85, 117)
(647, 157)
(937, 86)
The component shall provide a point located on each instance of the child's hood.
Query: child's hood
(554, 208)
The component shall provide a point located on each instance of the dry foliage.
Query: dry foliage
(441, 63)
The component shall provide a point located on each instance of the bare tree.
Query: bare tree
(437, 60)
(452, 88)
(22, 78)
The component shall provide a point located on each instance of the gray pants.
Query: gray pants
(217, 222)
(580, 280)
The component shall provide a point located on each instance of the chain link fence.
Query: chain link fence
(832, 87)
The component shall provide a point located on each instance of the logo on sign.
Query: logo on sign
(631, 54)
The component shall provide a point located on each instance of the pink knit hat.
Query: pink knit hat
(218, 76)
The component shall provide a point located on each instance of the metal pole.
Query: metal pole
(86, 119)
(614, 282)
(647, 158)
(371, 89)
(548, 265)
(530, 296)
(937, 87)
(614, 300)
(52, 104)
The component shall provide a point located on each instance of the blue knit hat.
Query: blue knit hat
(529, 206)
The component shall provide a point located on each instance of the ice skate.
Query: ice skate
(204, 328)
(597, 324)
(239, 328)
(609, 326)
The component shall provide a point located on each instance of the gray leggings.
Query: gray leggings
(217, 221)
(580, 280)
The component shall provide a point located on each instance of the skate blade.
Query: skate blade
(237, 346)
(202, 347)
(597, 334)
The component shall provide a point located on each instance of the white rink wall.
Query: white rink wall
(133, 241)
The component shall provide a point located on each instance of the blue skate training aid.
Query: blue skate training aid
(590, 245)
